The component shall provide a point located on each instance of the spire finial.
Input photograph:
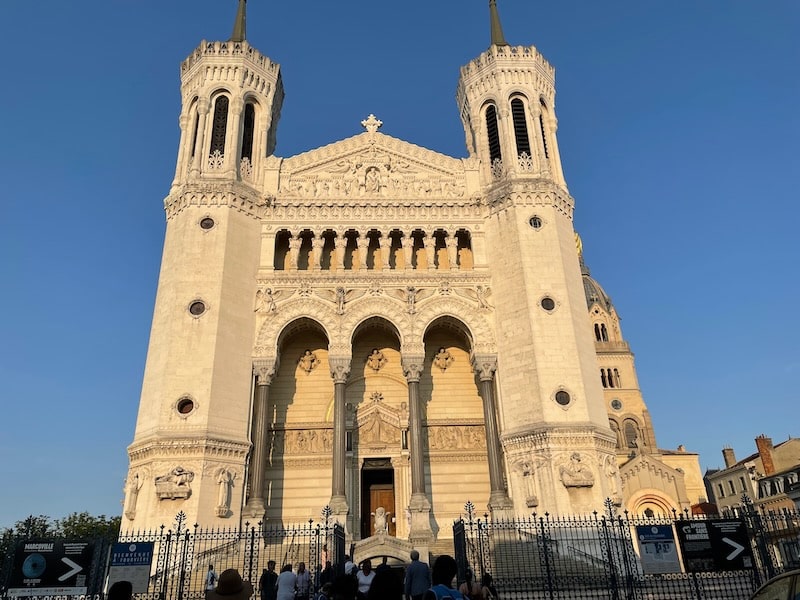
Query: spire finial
(240, 26)
(498, 39)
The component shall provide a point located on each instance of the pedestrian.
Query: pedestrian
(344, 588)
(120, 590)
(349, 566)
(287, 583)
(365, 577)
(324, 592)
(211, 579)
(231, 586)
(471, 589)
(418, 577)
(385, 586)
(303, 583)
(444, 570)
(487, 587)
(269, 582)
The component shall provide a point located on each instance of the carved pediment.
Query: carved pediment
(378, 424)
(372, 165)
(644, 468)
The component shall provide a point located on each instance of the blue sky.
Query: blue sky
(678, 130)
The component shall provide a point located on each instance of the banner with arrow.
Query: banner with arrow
(714, 545)
(50, 568)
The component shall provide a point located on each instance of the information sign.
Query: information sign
(131, 562)
(657, 549)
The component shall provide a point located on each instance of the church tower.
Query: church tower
(192, 439)
(556, 434)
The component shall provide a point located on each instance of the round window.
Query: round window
(536, 222)
(616, 404)
(206, 223)
(563, 398)
(548, 303)
(197, 308)
(185, 406)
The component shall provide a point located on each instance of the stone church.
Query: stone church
(380, 329)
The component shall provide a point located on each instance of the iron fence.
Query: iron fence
(182, 554)
(546, 557)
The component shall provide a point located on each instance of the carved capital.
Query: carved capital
(340, 368)
(264, 370)
(412, 367)
(203, 106)
(484, 366)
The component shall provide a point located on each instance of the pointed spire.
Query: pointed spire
(240, 26)
(498, 39)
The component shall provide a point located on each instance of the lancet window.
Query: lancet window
(248, 131)
(493, 134)
(543, 128)
(520, 128)
(600, 332)
(219, 126)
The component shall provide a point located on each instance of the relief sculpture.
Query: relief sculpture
(468, 437)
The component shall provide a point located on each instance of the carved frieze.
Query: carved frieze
(175, 484)
(454, 437)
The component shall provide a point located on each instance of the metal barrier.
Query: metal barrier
(598, 556)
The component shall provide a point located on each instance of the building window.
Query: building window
(542, 129)
(493, 133)
(721, 490)
(249, 130)
(742, 484)
(220, 125)
(520, 128)
(617, 380)
(632, 437)
(194, 135)
(731, 486)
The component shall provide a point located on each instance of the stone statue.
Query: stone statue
(309, 361)
(265, 300)
(526, 469)
(175, 484)
(575, 473)
(341, 299)
(376, 360)
(381, 520)
(132, 495)
(225, 482)
(411, 299)
(443, 359)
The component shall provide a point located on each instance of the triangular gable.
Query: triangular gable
(372, 165)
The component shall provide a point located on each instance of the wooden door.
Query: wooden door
(381, 495)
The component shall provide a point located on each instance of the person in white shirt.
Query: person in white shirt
(365, 577)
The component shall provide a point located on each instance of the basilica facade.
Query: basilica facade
(379, 331)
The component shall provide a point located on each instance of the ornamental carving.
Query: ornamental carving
(576, 473)
(308, 441)
(376, 360)
(175, 484)
(308, 361)
(464, 437)
(265, 300)
(373, 165)
(443, 359)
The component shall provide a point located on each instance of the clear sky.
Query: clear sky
(678, 130)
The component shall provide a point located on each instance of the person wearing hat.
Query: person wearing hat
(230, 586)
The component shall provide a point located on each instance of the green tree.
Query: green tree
(85, 526)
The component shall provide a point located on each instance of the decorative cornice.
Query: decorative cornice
(522, 192)
(232, 194)
(183, 447)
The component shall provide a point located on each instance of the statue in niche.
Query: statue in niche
(175, 484)
(411, 299)
(373, 431)
(575, 473)
(611, 471)
(341, 300)
(443, 359)
(132, 495)
(372, 181)
(225, 480)
(381, 520)
(376, 360)
(308, 361)
(265, 300)
(527, 470)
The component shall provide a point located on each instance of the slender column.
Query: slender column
(430, 250)
(452, 250)
(408, 248)
(419, 506)
(232, 135)
(385, 243)
(341, 246)
(340, 370)
(200, 154)
(363, 250)
(264, 371)
(294, 251)
(318, 243)
(180, 168)
(485, 367)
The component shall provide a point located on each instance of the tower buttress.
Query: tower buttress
(552, 406)
(198, 375)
